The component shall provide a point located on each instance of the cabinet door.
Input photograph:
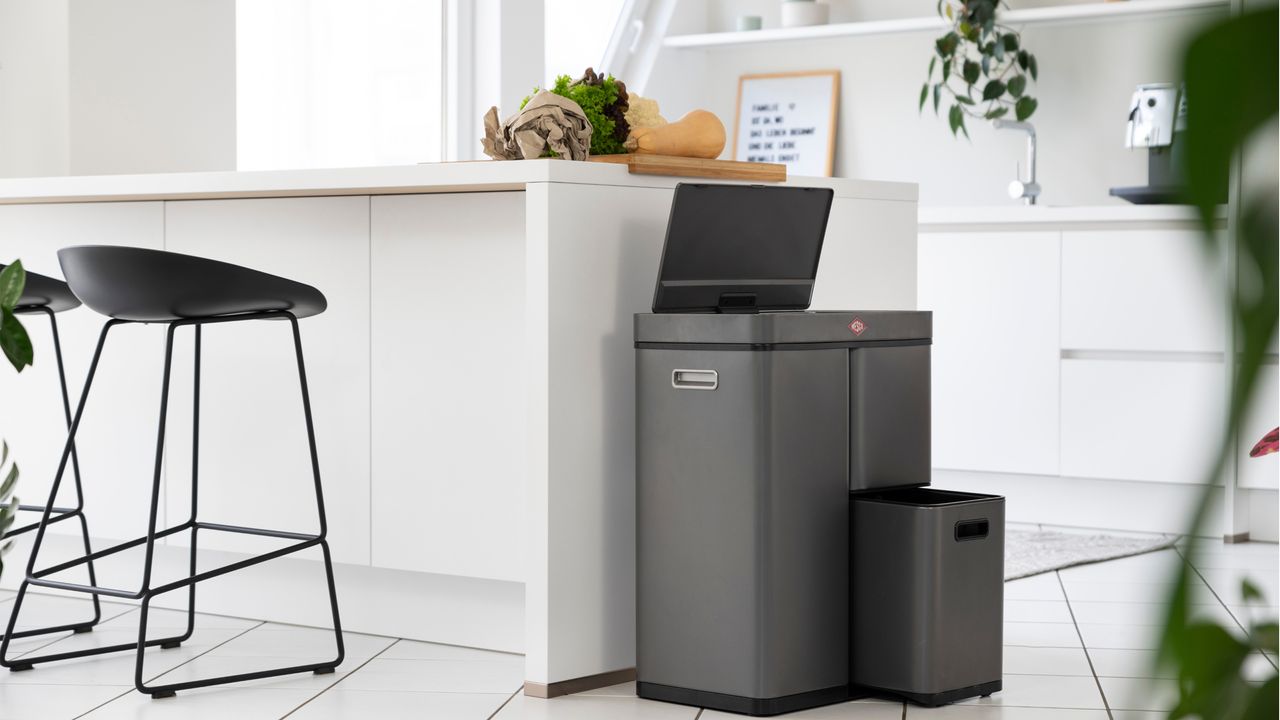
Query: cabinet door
(1262, 418)
(254, 465)
(995, 303)
(1154, 420)
(1155, 290)
(448, 383)
(117, 436)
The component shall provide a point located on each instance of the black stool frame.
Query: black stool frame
(58, 514)
(146, 592)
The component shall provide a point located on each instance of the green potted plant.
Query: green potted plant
(979, 66)
(1232, 74)
(17, 348)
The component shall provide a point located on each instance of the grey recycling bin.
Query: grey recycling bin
(755, 420)
(928, 593)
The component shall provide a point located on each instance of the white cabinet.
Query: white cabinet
(117, 439)
(996, 353)
(1142, 290)
(449, 460)
(1156, 420)
(1260, 472)
(254, 465)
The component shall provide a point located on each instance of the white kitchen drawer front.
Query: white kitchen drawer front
(1140, 290)
(996, 359)
(1156, 420)
(1263, 416)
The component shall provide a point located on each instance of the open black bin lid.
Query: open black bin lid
(741, 248)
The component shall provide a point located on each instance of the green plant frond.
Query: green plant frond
(978, 47)
(12, 281)
(1231, 75)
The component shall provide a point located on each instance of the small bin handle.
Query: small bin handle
(972, 529)
(695, 379)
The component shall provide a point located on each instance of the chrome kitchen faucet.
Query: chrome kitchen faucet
(1030, 189)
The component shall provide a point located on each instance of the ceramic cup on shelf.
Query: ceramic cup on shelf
(749, 22)
(799, 13)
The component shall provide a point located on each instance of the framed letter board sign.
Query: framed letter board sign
(788, 118)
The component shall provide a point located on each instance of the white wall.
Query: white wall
(152, 86)
(33, 88)
(1087, 72)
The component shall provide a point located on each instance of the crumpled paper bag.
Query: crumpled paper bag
(547, 121)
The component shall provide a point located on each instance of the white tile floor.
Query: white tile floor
(1079, 644)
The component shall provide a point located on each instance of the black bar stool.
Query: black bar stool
(49, 296)
(135, 285)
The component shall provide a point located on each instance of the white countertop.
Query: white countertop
(480, 176)
(938, 219)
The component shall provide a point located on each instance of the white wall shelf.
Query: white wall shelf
(1018, 18)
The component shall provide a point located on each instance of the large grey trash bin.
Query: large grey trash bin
(755, 419)
(928, 593)
(745, 427)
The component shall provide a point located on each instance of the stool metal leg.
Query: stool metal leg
(301, 541)
(67, 450)
(169, 690)
(62, 513)
(34, 577)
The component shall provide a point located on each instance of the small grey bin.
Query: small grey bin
(927, 581)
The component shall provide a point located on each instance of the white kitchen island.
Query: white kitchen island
(472, 383)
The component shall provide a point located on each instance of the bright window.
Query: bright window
(577, 33)
(338, 83)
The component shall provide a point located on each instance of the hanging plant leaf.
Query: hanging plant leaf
(1017, 84)
(947, 44)
(988, 58)
(1025, 106)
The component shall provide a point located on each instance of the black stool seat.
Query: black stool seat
(145, 285)
(43, 291)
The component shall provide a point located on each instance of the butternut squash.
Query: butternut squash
(699, 134)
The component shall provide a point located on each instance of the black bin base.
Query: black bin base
(943, 698)
(759, 707)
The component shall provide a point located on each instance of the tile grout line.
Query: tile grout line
(1096, 680)
(62, 637)
(166, 672)
(344, 676)
(512, 696)
(1218, 597)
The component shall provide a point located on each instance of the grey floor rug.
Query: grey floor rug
(1031, 552)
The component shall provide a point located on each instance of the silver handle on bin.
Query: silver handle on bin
(695, 379)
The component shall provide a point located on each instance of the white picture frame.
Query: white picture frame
(788, 118)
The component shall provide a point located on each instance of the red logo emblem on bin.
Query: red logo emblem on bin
(857, 327)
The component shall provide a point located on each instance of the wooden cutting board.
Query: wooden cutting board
(638, 164)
